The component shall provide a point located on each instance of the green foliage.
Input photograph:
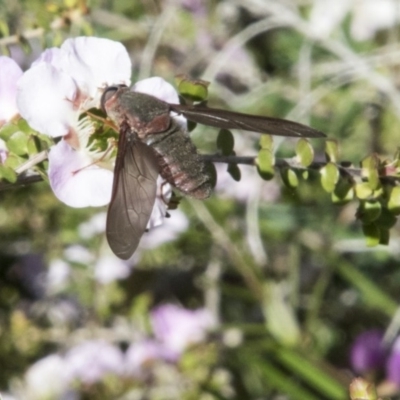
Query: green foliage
(304, 152)
(195, 90)
(292, 275)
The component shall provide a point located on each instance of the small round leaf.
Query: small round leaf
(369, 211)
(372, 234)
(234, 172)
(331, 150)
(265, 164)
(329, 176)
(225, 142)
(305, 152)
(289, 177)
(394, 200)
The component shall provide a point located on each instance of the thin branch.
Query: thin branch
(22, 180)
(26, 177)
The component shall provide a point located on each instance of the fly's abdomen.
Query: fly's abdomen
(180, 164)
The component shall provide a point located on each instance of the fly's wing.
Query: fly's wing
(133, 196)
(234, 120)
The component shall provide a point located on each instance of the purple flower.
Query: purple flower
(91, 361)
(393, 364)
(177, 328)
(141, 356)
(367, 352)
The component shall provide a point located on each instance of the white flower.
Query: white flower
(63, 84)
(91, 361)
(10, 73)
(368, 16)
(177, 328)
(57, 275)
(53, 97)
(169, 231)
(47, 378)
(110, 268)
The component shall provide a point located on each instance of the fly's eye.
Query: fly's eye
(107, 94)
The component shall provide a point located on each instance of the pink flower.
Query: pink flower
(54, 96)
(178, 328)
(91, 361)
(142, 355)
(10, 73)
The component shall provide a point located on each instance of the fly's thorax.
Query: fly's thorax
(145, 114)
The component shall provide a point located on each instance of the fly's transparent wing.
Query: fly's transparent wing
(255, 123)
(133, 196)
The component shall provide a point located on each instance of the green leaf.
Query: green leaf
(363, 191)
(372, 234)
(8, 173)
(265, 164)
(225, 142)
(369, 211)
(386, 219)
(304, 366)
(191, 126)
(7, 130)
(13, 161)
(24, 126)
(305, 152)
(280, 318)
(194, 89)
(369, 171)
(372, 294)
(267, 142)
(32, 144)
(331, 150)
(385, 236)
(234, 172)
(344, 192)
(289, 177)
(329, 177)
(18, 143)
(394, 200)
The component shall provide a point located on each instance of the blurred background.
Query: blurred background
(261, 291)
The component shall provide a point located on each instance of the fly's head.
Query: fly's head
(111, 104)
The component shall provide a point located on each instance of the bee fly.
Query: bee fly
(151, 143)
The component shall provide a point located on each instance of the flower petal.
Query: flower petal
(91, 361)
(177, 327)
(10, 73)
(109, 269)
(45, 99)
(95, 63)
(75, 180)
